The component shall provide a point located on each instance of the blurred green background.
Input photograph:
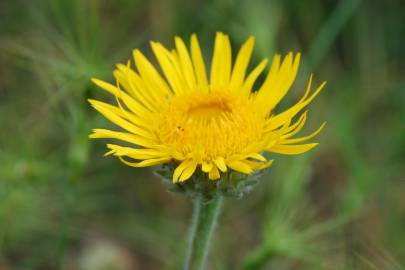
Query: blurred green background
(64, 206)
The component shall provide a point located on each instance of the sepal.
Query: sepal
(231, 184)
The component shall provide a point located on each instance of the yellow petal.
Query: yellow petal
(134, 85)
(292, 149)
(123, 136)
(184, 170)
(240, 166)
(241, 63)
(226, 61)
(216, 61)
(221, 62)
(280, 118)
(206, 166)
(214, 173)
(278, 82)
(252, 77)
(188, 171)
(154, 83)
(133, 105)
(169, 67)
(146, 163)
(281, 89)
(198, 62)
(303, 139)
(185, 63)
(258, 165)
(179, 170)
(220, 163)
(135, 153)
(272, 75)
(113, 116)
(296, 127)
(256, 156)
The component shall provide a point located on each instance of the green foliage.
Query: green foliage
(339, 207)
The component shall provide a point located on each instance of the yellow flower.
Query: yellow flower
(215, 124)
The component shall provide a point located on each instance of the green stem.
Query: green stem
(205, 216)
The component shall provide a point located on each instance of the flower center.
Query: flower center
(209, 125)
(209, 109)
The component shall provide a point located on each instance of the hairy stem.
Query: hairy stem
(205, 215)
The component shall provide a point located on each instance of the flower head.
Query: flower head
(217, 122)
